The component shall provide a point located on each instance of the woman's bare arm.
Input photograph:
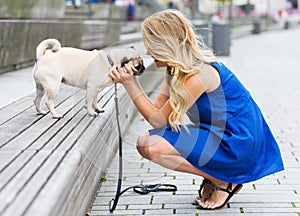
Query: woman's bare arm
(157, 112)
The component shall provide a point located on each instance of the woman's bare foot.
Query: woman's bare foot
(204, 191)
(219, 195)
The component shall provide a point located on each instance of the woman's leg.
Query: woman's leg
(160, 151)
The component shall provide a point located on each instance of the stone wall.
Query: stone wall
(19, 38)
(106, 11)
(37, 9)
(103, 11)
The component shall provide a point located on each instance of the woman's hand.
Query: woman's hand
(157, 117)
(121, 74)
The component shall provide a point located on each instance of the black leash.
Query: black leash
(113, 203)
(140, 189)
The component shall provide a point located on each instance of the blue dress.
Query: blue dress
(228, 138)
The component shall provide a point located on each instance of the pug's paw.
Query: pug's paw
(92, 113)
(99, 110)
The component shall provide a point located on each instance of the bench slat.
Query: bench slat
(58, 187)
(30, 133)
(13, 162)
(36, 181)
(15, 108)
(17, 184)
(21, 123)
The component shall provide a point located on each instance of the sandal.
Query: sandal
(228, 190)
(204, 181)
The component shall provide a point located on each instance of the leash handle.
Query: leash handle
(145, 189)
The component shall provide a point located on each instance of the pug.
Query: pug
(76, 67)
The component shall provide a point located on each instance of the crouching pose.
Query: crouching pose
(228, 142)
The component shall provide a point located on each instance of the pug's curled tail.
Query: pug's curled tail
(51, 43)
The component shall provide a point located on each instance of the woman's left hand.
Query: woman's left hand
(121, 74)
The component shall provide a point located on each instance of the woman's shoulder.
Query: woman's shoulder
(209, 76)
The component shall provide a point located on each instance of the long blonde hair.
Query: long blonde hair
(169, 37)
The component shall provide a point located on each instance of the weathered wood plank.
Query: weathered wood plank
(46, 124)
(21, 180)
(21, 123)
(14, 165)
(7, 156)
(54, 195)
(15, 108)
(36, 131)
(27, 193)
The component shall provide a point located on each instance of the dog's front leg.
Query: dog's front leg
(95, 104)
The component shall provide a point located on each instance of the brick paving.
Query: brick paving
(268, 64)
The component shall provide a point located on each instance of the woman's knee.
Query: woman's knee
(146, 146)
(141, 145)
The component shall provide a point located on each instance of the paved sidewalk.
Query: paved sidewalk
(15, 85)
(268, 64)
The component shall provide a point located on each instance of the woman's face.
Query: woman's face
(157, 62)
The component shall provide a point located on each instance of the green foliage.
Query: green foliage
(223, 1)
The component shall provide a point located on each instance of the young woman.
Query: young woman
(227, 142)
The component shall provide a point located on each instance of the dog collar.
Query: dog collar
(111, 62)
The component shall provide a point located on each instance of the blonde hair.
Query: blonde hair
(169, 37)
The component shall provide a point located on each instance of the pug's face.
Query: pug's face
(130, 57)
(136, 64)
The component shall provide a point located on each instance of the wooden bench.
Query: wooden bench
(52, 167)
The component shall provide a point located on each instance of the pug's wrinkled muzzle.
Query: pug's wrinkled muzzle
(136, 64)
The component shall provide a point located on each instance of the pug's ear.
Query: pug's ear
(124, 61)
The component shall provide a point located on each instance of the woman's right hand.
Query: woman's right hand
(121, 74)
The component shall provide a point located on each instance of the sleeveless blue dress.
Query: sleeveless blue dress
(228, 137)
